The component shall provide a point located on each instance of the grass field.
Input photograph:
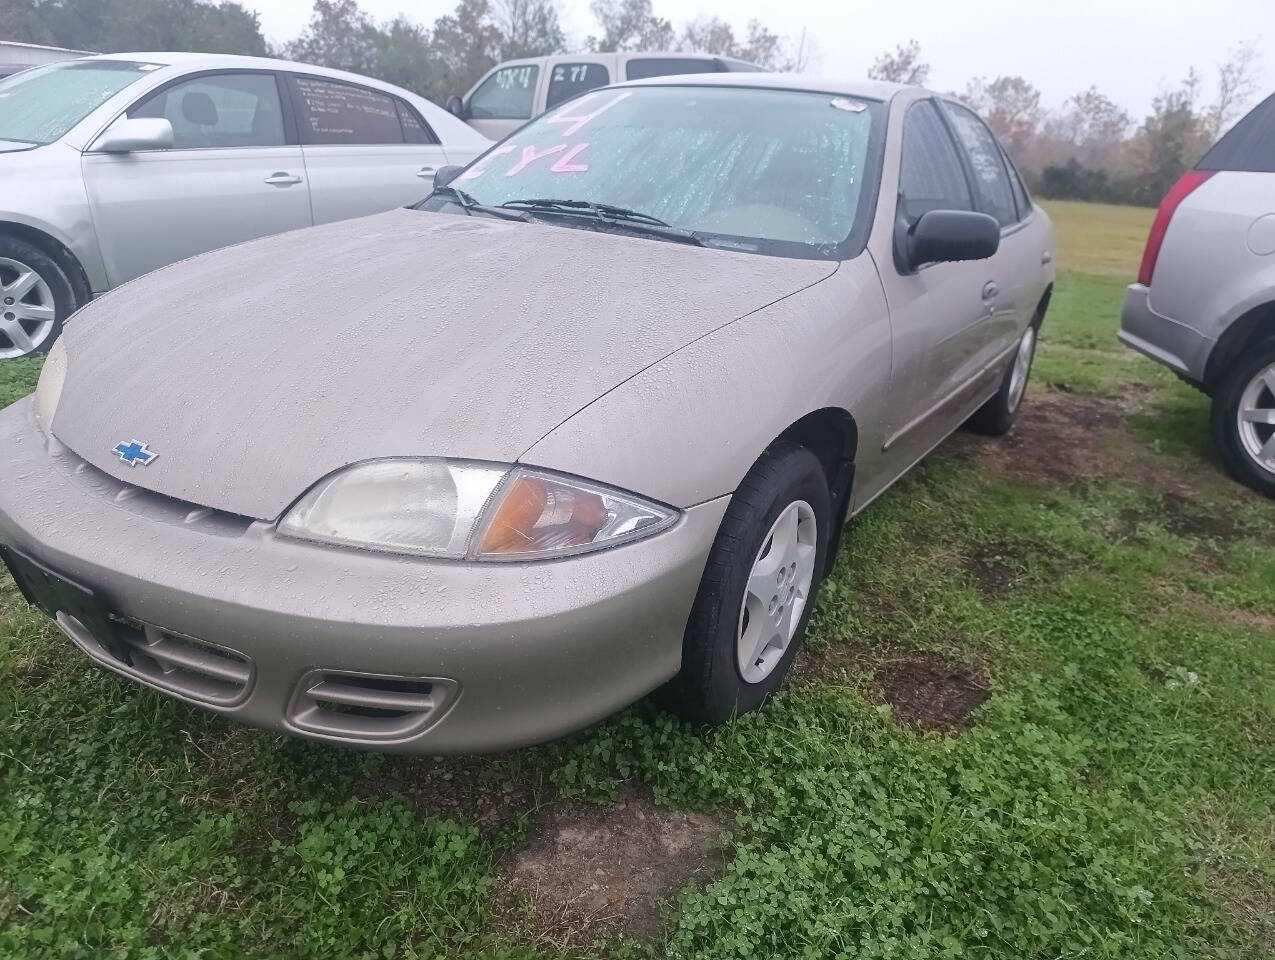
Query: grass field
(1093, 585)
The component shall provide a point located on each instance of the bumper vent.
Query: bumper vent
(352, 706)
(183, 665)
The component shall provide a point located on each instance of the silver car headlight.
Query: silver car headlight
(465, 510)
(49, 389)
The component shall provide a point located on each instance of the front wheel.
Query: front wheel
(35, 297)
(758, 588)
(995, 417)
(1244, 419)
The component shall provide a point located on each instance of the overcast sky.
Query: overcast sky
(1129, 49)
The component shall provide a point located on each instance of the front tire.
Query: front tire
(1243, 419)
(758, 588)
(35, 298)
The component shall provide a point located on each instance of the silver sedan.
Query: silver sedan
(584, 424)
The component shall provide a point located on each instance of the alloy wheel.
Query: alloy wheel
(777, 591)
(27, 309)
(1255, 418)
(1022, 367)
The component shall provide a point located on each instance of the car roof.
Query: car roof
(866, 89)
(630, 54)
(200, 61)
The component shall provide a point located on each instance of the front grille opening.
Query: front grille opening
(171, 661)
(355, 706)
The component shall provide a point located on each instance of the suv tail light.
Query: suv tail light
(1160, 226)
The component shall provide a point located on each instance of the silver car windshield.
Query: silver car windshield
(38, 106)
(766, 171)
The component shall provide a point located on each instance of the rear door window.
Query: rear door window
(1250, 144)
(508, 94)
(415, 130)
(219, 110)
(330, 112)
(668, 66)
(568, 80)
(991, 179)
(931, 176)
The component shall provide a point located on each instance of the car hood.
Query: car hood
(254, 371)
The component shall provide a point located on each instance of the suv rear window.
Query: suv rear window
(1250, 144)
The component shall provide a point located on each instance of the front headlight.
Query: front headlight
(463, 510)
(49, 389)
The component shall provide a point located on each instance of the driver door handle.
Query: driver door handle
(426, 172)
(990, 290)
(281, 178)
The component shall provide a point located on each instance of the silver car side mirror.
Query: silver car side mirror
(138, 133)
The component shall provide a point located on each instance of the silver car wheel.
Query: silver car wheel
(27, 309)
(777, 591)
(1022, 367)
(1256, 418)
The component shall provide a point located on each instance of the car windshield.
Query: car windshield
(767, 171)
(38, 106)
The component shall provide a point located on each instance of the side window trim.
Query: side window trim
(400, 104)
(953, 141)
(296, 100)
(290, 138)
(1017, 185)
(968, 163)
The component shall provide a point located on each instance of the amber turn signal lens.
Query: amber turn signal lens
(510, 530)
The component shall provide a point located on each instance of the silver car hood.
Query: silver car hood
(254, 371)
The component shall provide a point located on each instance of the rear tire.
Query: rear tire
(997, 415)
(785, 492)
(1243, 418)
(36, 297)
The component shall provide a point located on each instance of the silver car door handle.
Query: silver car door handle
(1046, 258)
(281, 178)
(990, 290)
(426, 172)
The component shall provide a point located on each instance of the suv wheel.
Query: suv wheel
(1244, 419)
(758, 588)
(35, 298)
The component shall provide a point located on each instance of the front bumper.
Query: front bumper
(1176, 345)
(509, 654)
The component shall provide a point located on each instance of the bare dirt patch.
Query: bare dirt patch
(992, 569)
(1057, 438)
(928, 692)
(479, 790)
(590, 872)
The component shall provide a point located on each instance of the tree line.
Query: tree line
(1090, 149)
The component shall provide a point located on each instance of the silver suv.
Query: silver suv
(1204, 303)
(114, 166)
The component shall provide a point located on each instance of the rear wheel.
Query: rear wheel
(757, 590)
(35, 298)
(995, 417)
(1244, 419)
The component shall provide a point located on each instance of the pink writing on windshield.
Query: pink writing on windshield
(577, 121)
(476, 171)
(530, 155)
(564, 164)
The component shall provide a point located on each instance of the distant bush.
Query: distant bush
(1074, 181)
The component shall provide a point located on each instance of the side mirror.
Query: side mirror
(456, 107)
(446, 175)
(945, 236)
(138, 133)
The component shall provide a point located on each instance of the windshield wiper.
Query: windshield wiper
(469, 205)
(610, 214)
